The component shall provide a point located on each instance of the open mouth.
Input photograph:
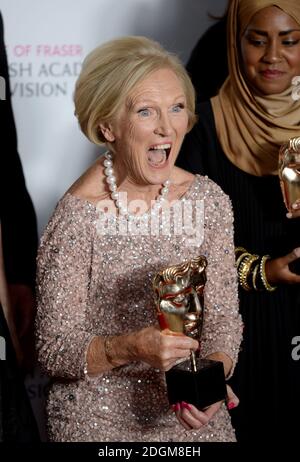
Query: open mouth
(158, 155)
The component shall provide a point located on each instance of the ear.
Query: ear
(107, 132)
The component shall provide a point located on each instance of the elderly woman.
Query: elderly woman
(97, 331)
(236, 143)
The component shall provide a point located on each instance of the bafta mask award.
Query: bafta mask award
(179, 299)
(289, 171)
(289, 175)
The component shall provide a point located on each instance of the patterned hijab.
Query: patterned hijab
(251, 127)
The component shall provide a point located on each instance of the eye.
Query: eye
(178, 107)
(256, 42)
(290, 43)
(144, 112)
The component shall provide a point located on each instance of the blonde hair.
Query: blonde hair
(109, 74)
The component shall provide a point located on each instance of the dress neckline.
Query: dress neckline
(86, 202)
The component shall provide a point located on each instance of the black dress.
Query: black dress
(266, 379)
(17, 423)
(213, 43)
(19, 239)
(17, 215)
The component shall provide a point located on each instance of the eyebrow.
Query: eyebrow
(133, 102)
(265, 34)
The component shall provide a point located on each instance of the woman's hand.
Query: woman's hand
(278, 271)
(295, 210)
(232, 400)
(192, 419)
(162, 349)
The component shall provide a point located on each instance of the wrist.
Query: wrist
(254, 271)
(109, 351)
(120, 350)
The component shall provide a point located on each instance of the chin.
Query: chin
(275, 88)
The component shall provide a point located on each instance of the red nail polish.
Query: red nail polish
(185, 405)
(177, 407)
(230, 405)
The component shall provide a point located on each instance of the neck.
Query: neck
(133, 186)
(139, 192)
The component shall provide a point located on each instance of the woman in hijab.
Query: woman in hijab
(236, 143)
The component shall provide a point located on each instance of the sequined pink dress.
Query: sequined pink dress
(92, 284)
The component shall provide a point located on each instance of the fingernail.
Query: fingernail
(230, 405)
(297, 252)
(296, 206)
(185, 405)
(173, 407)
(289, 215)
(177, 407)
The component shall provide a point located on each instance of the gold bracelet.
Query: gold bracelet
(243, 273)
(244, 270)
(241, 257)
(238, 250)
(262, 272)
(254, 276)
(254, 258)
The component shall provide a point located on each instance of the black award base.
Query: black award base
(295, 267)
(201, 388)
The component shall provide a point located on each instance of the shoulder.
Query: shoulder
(200, 186)
(90, 186)
(206, 189)
(75, 213)
(216, 201)
(71, 218)
(210, 187)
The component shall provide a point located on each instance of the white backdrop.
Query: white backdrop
(46, 42)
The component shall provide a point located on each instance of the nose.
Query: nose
(163, 126)
(273, 53)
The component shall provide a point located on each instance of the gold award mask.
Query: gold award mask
(179, 298)
(289, 171)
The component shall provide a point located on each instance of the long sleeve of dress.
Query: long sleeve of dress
(64, 264)
(222, 326)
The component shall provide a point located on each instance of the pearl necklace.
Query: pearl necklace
(111, 182)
